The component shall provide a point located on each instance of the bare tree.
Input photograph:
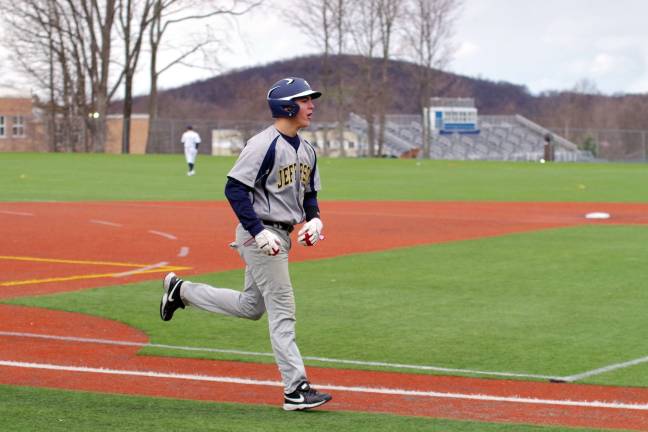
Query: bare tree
(581, 102)
(317, 22)
(168, 14)
(428, 38)
(75, 37)
(93, 21)
(389, 12)
(42, 47)
(71, 46)
(341, 14)
(325, 23)
(134, 19)
(72, 107)
(366, 40)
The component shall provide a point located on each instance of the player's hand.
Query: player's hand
(310, 233)
(268, 242)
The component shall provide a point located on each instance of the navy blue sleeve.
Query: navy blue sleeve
(310, 205)
(238, 196)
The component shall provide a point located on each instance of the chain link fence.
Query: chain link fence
(623, 145)
(166, 133)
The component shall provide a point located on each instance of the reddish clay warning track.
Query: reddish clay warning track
(98, 244)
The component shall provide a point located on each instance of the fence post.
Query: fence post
(172, 139)
(598, 144)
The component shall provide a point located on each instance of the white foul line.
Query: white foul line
(429, 368)
(605, 369)
(184, 251)
(260, 354)
(102, 222)
(163, 234)
(570, 378)
(141, 270)
(15, 213)
(388, 391)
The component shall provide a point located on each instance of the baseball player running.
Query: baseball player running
(272, 186)
(191, 141)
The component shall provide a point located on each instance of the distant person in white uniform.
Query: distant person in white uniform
(191, 141)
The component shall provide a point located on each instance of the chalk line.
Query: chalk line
(353, 389)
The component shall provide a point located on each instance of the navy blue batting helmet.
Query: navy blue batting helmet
(282, 95)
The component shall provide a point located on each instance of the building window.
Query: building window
(2, 126)
(18, 128)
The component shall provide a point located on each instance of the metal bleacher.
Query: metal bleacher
(513, 138)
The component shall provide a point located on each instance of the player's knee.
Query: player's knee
(254, 315)
(251, 310)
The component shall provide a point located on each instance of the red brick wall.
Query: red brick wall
(33, 130)
(35, 140)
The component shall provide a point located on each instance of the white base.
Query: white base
(597, 215)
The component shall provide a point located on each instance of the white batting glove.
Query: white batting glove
(268, 242)
(310, 233)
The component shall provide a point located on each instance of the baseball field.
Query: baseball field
(447, 296)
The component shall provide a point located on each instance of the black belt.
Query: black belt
(280, 225)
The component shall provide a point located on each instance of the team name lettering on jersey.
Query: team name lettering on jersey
(286, 175)
(304, 172)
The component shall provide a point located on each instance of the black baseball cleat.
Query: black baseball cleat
(171, 298)
(304, 397)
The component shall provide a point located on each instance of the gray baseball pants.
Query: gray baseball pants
(267, 288)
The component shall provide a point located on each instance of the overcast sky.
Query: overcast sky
(552, 44)
(542, 44)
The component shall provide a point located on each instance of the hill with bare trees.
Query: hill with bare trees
(240, 95)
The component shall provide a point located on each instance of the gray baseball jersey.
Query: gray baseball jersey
(278, 175)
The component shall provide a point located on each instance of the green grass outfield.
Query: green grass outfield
(78, 177)
(553, 302)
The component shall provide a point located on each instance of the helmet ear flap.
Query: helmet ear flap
(283, 108)
(291, 109)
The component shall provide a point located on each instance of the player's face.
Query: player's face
(306, 108)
